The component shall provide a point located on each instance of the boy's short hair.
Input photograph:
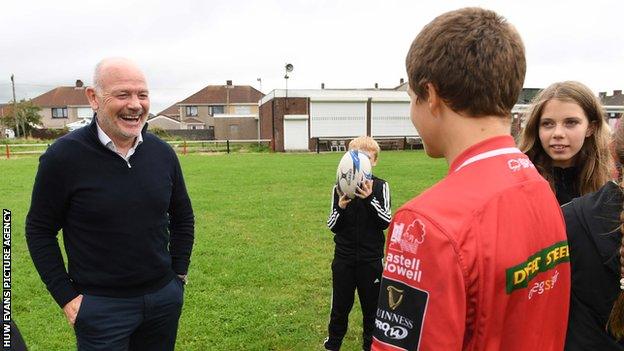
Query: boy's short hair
(366, 144)
(473, 57)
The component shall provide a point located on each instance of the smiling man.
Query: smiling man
(119, 197)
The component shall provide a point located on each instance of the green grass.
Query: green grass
(260, 274)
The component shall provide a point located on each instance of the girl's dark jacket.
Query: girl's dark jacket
(594, 238)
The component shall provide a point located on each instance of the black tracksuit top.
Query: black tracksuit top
(359, 228)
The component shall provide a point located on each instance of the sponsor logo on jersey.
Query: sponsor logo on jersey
(516, 164)
(391, 332)
(539, 288)
(404, 266)
(409, 239)
(400, 314)
(395, 297)
(519, 276)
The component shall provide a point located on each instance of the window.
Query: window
(191, 111)
(242, 110)
(60, 112)
(217, 110)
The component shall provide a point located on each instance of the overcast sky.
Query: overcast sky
(185, 45)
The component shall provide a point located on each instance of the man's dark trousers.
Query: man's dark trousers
(148, 322)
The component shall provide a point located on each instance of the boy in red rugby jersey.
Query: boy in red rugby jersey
(480, 260)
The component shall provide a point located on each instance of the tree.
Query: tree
(27, 116)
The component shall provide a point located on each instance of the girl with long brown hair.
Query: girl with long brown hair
(567, 139)
(595, 223)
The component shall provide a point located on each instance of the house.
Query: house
(167, 119)
(5, 109)
(63, 105)
(403, 85)
(614, 107)
(172, 111)
(614, 104)
(518, 112)
(164, 122)
(230, 110)
(226, 111)
(296, 119)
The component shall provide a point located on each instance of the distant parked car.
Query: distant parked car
(9, 133)
(78, 124)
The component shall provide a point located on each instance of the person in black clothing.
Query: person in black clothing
(17, 341)
(118, 194)
(566, 183)
(595, 225)
(358, 225)
(567, 139)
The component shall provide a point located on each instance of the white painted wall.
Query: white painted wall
(330, 119)
(85, 112)
(391, 119)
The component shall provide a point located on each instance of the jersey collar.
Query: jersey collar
(500, 145)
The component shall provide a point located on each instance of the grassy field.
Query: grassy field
(260, 270)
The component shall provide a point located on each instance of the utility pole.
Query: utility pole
(15, 108)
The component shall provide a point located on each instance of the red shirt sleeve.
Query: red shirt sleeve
(422, 301)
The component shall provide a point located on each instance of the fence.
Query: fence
(187, 146)
(38, 149)
(184, 146)
(385, 143)
(192, 134)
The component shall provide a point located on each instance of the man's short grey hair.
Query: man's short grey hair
(97, 73)
(97, 79)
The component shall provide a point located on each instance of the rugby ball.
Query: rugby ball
(354, 167)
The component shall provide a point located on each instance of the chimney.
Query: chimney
(401, 81)
(617, 92)
(228, 82)
(376, 86)
(602, 94)
(322, 85)
(79, 83)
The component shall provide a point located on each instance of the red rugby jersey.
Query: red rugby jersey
(477, 262)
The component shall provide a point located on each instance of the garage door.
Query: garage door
(295, 132)
(331, 119)
(391, 119)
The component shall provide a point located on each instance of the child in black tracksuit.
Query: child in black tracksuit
(358, 225)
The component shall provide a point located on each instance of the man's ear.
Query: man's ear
(92, 97)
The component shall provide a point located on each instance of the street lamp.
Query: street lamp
(288, 68)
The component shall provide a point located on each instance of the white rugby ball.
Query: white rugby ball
(354, 167)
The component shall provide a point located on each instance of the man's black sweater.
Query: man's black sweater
(127, 227)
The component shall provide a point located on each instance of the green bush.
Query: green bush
(159, 132)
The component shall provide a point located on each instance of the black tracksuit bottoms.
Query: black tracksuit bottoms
(348, 276)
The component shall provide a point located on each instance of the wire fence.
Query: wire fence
(180, 146)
